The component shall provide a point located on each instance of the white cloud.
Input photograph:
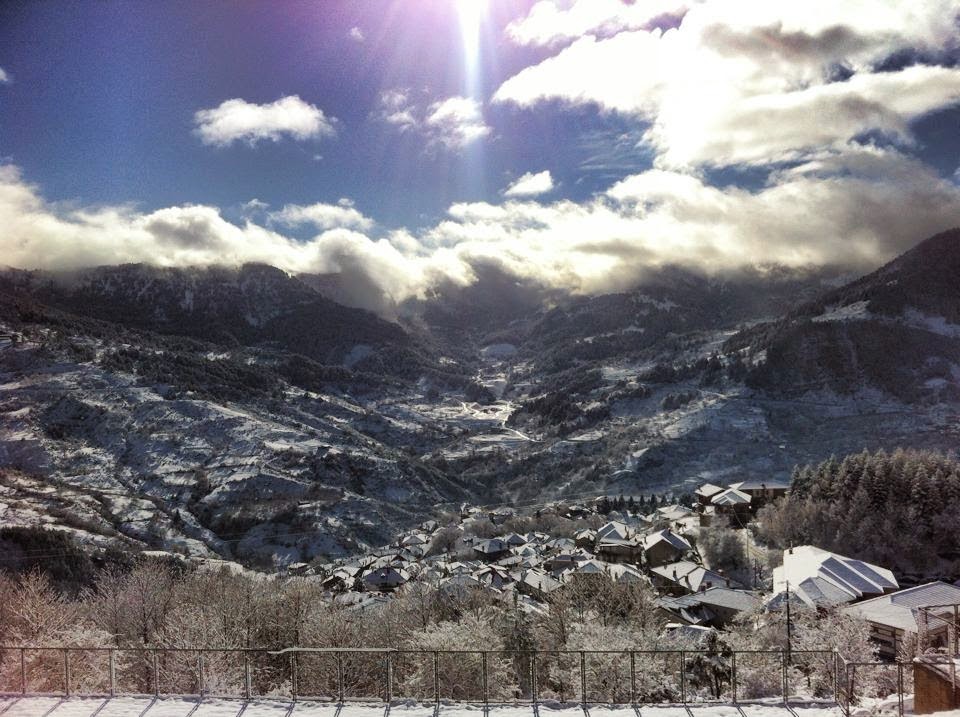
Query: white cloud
(455, 122)
(530, 185)
(853, 205)
(4, 77)
(396, 108)
(356, 34)
(452, 123)
(238, 120)
(550, 22)
(745, 80)
(323, 216)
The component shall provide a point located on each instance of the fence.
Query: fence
(637, 677)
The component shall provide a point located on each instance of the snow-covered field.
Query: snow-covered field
(177, 707)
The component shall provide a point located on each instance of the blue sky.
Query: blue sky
(383, 136)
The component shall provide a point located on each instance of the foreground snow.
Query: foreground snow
(179, 707)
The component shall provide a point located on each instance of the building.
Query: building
(686, 576)
(732, 502)
(705, 494)
(385, 579)
(762, 492)
(664, 547)
(714, 607)
(895, 617)
(820, 578)
(491, 550)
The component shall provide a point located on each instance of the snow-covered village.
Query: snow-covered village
(480, 358)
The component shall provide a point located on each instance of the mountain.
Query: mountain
(255, 305)
(895, 330)
(241, 413)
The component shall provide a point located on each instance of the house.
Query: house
(515, 541)
(561, 562)
(385, 579)
(494, 576)
(615, 550)
(896, 617)
(686, 576)
(585, 538)
(625, 574)
(762, 492)
(820, 578)
(705, 493)
(714, 607)
(664, 547)
(491, 550)
(537, 584)
(732, 502)
(614, 530)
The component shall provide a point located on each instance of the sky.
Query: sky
(576, 143)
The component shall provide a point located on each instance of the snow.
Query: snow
(499, 351)
(933, 324)
(850, 312)
(218, 707)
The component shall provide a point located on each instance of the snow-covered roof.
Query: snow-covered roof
(708, 489)
(899, 609)
(665, 536)
(820, 578)
(690, 575)
(731, 496)
(613, 529)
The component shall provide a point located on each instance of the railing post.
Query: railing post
(113, 672)
(852, 678)
(733, 677)
(786, 677)
(683, 676)
(389, 690)
(200, 673)
(583, 678)
(533, 677)
(293, 676)
(900, 688)
(66, 671)
(156, 674)
(340, 677)
(246, 674)
(436, 675)
(483, 672)
(633, 677)
(23, 671)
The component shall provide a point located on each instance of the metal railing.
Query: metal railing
(340, 674)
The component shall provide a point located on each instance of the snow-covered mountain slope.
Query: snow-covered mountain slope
(896, 330)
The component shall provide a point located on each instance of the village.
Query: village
(477, 552)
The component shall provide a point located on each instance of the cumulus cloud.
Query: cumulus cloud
(322, 216)
(237, 120)
(4, 76)
(356, 34)
(530, 185)
(453, 122)
(748, 81)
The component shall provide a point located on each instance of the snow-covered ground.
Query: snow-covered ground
(179, 707)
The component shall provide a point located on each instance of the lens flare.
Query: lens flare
(471, 14)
